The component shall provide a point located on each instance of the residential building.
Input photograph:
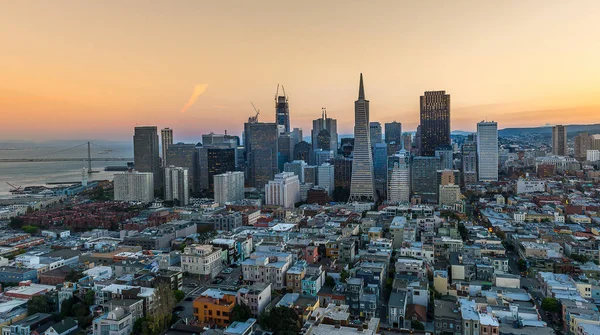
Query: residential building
(116, 322)
(583, 143)
(176, 185)
(559, 140)
(241, 328)
(592, 155)
(257, 297)
(362, 188)
(267, 267)
(10, 274)
(204, 260)
(215, 306)
(134, 186)
(229, 187)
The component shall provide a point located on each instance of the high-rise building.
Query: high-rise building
(446, 155)
(261, 152)
(283, 191)
(435, 121)
(326, 177)
(185, 156)
(407, 141)
(559, 140)
(324, 133)
(310, 174)
(229, 187)
(176, 185)
(220, 140)
(145, 152)
(362, 188)
(487, 151)
(399, 177)
(449, 195)
(347, 146)
(285, 149)
(323, 156)
(423, 178)
(282, 112)
(375, 134)
(583, 143)
(393, 132)
(166, 137)
(134, 186)
(297, 168)
(380, 156)
(342, 167)
(214, 161)
(297, 135)
(592, 155)
(302, 151)
(469, 162)
(595, 140)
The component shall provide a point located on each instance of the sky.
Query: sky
(96, 69)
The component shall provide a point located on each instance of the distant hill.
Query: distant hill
(572, 130)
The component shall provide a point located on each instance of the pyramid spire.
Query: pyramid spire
(361, 89)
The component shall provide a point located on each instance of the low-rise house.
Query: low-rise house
(116, 322)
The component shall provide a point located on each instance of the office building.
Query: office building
(322, 156)
(297, 135)
(220, 140)
(324, 133)
(282, 111)
(261, 152)
(375, 134)
(285, 150)
(380, 156)
(559, 140)
(229, 187)
(398, 177)
(393, 132)
(407, 142)
(284, 190)
(446, 155)
(310, 174)
(145, 152)
(487, 151)
(424, 178)
(297, 168)
(583, 143)
(435, 121)
(342, 168)
(214, 161)
(362, 188)
(185, 156)
(449, 195)
(326, 177)
(134, 186)
(176, 185)
(166, 138)
(469, 162)
(302, 151)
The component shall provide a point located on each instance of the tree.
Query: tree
(16, 223)
(30, 229)
(329, 281)
(179, 295)
(344, 275)
(417, 325)
(241, 312)
(38, 304)
(89, 298)
(550, 305)
(73, 276)
(281, 320)
(580, 258)
(522, 265)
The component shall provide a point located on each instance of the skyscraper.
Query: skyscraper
(380, 156)
(375, 133)
(145, 152)
(559, 140)
(322, 156)
(176, 185)
(297, 168)
(407, 141)
(324, 133)
(261, 141)
(393, 132)
(469, 162)
(326, 177)
(282, 111)
(398, 181)
(229, 187)
(446, 155)
(186, 156)
(214, 161)
(435, 121)
(302, 151)
(166, 137)
(424, 178)
(583, 143)
(487, 151)
(285, 149)
(362, 188)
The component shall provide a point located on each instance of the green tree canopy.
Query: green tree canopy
(417, 325)
(38, 304)
(329, 281)
(281, 320)
(344, 275)
(550, 305)
(241, 312)
(179, 295)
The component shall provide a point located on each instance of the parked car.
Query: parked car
(228, 271)
(189, 299)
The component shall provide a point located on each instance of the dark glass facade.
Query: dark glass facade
(435, 121)
(261, 141)
(146, 152)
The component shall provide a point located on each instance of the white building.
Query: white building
(201, 260)
(268, 268)
(449, 195)
(593, 155)
(283, 191)
(229, 187)
(487, 151)
(399, 177)
(176, 185)
(325, 176)
(134, 186)
(530, 186)
(116, 322)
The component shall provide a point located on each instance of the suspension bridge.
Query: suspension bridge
(44, 157)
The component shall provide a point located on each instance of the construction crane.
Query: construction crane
(254, 119)
(15, 188)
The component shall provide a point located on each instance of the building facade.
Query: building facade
(284, 190)
(166, 138)
(229, 187)
(204, 260)
(393, 132)
(261, 152)
(134, 186)
(559, 140)
(326, 177)
(145, 152)
(435, 121)
(487, 151)
(176, 185)
(398, 181)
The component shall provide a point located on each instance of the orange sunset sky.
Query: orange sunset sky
(95, 69)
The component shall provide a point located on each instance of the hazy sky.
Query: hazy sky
(95, 69)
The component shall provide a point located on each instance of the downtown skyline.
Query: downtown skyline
(511, 62)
